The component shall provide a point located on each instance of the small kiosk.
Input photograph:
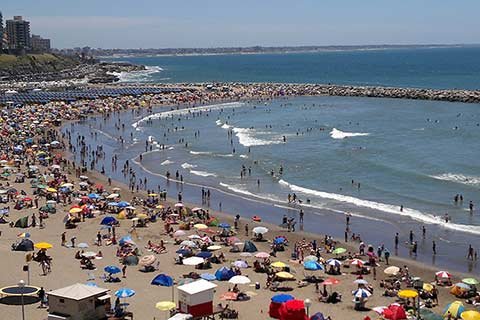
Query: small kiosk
(196, 298)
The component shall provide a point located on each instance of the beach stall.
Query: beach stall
(78, 302)
(196, 298)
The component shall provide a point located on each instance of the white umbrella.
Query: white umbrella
(89, 254)
(260, 230)
(239, 280)
(113, 196)
(194, 236)
(179, 233)
(188, 243)
(192, 261)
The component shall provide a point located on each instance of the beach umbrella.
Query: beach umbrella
(470, 315)
(123, 204)
(165, 305)
(339, 251)
(395, 312)
(159, 207)
(239, 280)
(259, 230)
(214, 248)
(278, 264)
(93, 196)
(194, 236)
(126, 240)
(43, 245)
(162, 280)
(66, 185)
(331, 281)
(284, 275)
(312, 266)
(192, 261)
(200, 226)
(89, 254)
(82, 245)
(224, 274)
(224, 225)
(24, 235)
(280, 240)
(317, 316)
(124, 293)
(188, 243)
(52, 190)
(310, 258)
(281, 298)
(204, 254)
(112, 204)
(108, 220)
(455, 309)
(393, 270)
(407, 293)
(333, 262)
(262, 255)
(357, 262)
(245, 254)
(462, 285)
(208, 276)
(75, 210)
(380, 309)
(147, 260)
(443, 274)
(361, 281)
(470, 281)
(361, 293)
(184, 252)
(112, 269)
(179, 205)
(427, 287)
(240, 264)
(113, 196)
(179, 233)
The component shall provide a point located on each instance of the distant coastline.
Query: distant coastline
(120, 53)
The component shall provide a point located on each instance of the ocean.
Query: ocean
(438, 68)
(393, 165)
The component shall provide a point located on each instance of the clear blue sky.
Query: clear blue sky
(213, 23)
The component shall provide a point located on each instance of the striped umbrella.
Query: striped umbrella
(361, 293)
(443, 274)
(334, 262)
(455, 309)
(124, 293)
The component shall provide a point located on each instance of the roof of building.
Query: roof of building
(197, 286)
(78, 291)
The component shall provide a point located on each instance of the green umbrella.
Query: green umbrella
(339, 251)
(470, 281)
(41, 186)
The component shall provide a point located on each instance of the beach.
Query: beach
(66, 270)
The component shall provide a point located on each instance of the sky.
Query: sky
(229, 23)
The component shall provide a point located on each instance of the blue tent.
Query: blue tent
(162, 280)
(108, 220)
(204, 254)
(281, 298)
(224, 274)
(249, 247)
(208, 276)
(312, 265)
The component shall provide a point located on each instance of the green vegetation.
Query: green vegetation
(35, 63)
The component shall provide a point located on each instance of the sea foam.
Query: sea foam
(337, 134)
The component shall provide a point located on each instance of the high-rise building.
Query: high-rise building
(1, 32)
(18, 32)
(40, 44)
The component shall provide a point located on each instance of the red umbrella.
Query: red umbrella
(397, 312)
(330, 281)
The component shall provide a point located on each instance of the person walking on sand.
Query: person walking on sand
(64, 239)
(301, 216)
(124, 271)
(246, 229)
(470, 252)
(396, 241)
(434, 247)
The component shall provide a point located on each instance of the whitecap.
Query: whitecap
(166, 162)
(203, 173)
(186, 165)
(200, 152)
(250, 138)
(138, 76)
(458, 178)
(337, 134)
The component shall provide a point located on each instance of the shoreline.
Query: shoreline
(235, 200)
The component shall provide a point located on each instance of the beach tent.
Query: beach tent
(22, 223)
(293, 310)
(249, 247)
(224, 274)
(317, 316)
(162, 280)
(276, 304)
(24, 245)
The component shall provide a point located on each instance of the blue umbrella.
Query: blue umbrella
(124, 293)
(112, 269)
(93, 196)
(204, 254)
(184, 252)
(113, 204)
(317, 316)
(224, 274)
(279, 240)
(108, 221)
(123, 204)
(361, 293)
(312, 265)
(162, 280)
(126, 239)
(224, 225)
(208, 276)
(281, 298)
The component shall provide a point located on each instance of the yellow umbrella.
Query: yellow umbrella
(284, 275)
(200, 226)
(159, 206)
(43, 245)
(122, 215)
(51, 190)
(470, 315)
(165, 305)
(278, 264)
(427, 287)
(152, 194)
(75, 210)
(407, 293)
